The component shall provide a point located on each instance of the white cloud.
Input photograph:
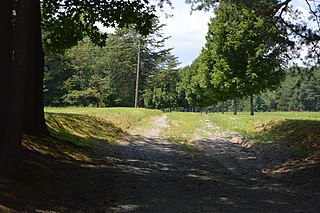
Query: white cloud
(187, 31)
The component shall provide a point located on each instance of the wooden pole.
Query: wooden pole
(137, 78)
(251, 105)
(235, 105)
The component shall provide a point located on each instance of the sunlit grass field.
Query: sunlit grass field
(253, 126)
(183, 125)
(110, 124)
(125, 118)
(86, 126)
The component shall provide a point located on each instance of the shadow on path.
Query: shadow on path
(150, 175)
(147, 174)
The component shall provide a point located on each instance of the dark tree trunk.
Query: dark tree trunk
(28, 116)
(235, 106)
(39, 119)
(11, 156)
(34, 120)
(222, 107)
(5, 63)
(251, 105)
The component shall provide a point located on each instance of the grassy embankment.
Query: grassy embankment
(300, 129)
(89, 125)
(289, 128)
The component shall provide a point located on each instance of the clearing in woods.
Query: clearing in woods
(159, 166)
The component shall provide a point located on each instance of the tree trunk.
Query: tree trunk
(251, 105)
(38, 108)
(34, 121)
(235, 106)
(11, 156)
(5, 63)
(222, 110)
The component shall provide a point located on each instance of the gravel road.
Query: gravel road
(147, 174)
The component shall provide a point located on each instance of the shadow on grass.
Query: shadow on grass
(82, 130)
(70, 145)
(299, 133)
(297, 145)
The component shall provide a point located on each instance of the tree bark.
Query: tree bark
(34, 114)
(235, 106)
(222, 107)
(251, 105)
(5, 63)
(11, 156)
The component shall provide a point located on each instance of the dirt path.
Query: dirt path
(147, 174)
(158, 124)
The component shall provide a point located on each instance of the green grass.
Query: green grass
(84, 126)
(75, 129)
(127, 119)
(82, 130)
(184, 128)
(259, 126)
(298, 129)
(183, 125)
(183, 143)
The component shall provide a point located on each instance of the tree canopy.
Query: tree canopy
(66, 22)
(300, 34)
(243, 56)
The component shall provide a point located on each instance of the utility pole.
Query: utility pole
(137, 78)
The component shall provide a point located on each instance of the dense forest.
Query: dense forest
(88, 75)
(243, 66)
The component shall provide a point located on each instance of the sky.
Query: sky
(188, 31)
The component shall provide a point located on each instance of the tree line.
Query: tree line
(167, 88)
(87, 75)
(245, 55)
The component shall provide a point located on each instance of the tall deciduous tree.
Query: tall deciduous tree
(24, 43)
(243, 55)
(67, 22)
(6, 52)
(199, 90)
(276, 12)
